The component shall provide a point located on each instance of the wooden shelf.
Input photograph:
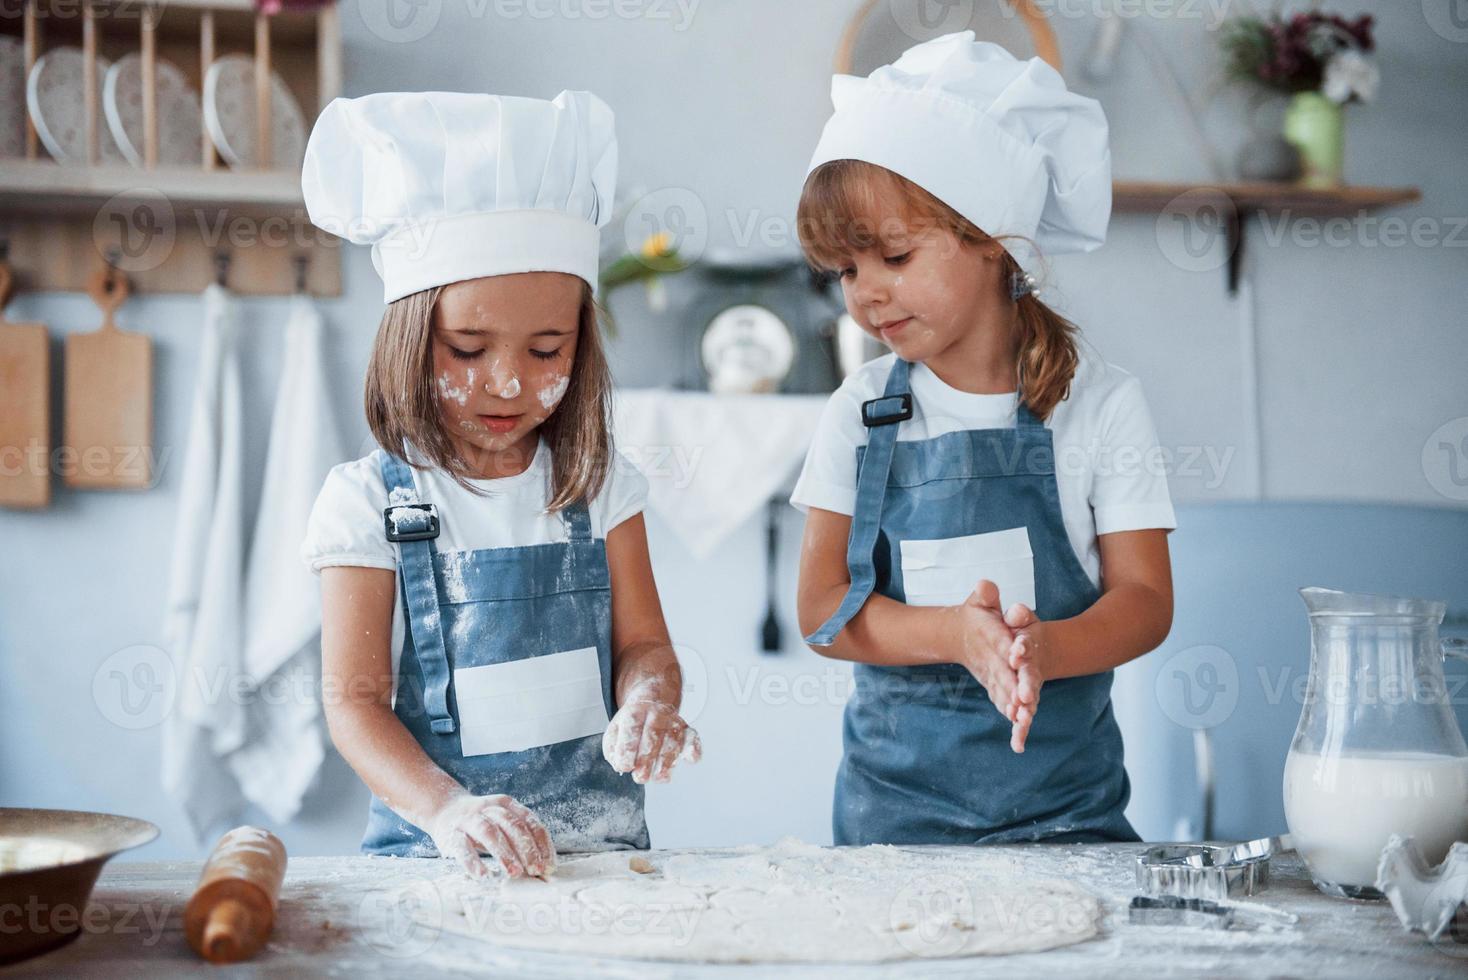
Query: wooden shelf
(1141, 195)
(48, 186)
(165, 226)
(1244, 199)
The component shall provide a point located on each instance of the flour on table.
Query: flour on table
(791, 902)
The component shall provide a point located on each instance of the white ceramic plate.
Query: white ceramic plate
(12, 98)
(180, 121)
(54, 96)
(747, 348)
(229, 115)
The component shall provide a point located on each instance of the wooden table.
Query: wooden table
(334, 919)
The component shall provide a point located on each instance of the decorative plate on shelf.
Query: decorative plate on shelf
(229, 115)
(55, 96)
(747, 348)
(12, 98)
(180, 121)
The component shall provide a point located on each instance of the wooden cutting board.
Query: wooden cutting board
(109, 398)
(25, 408)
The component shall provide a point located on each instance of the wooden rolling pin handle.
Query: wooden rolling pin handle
(231, 932)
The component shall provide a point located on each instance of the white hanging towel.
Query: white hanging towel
(202, 621)
(712, 463)
(283, 748)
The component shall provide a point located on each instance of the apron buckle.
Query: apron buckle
(887, 410)
(411, 522)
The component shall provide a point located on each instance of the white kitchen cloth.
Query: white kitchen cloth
(202, 619)
(283, 748)
(713, 461)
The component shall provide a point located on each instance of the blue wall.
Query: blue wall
(1236, 568)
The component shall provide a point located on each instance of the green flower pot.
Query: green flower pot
(1315, 125)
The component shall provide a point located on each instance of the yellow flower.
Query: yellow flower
(657, 246)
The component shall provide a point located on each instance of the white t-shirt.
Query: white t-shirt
(345, 527)
(1109, 470)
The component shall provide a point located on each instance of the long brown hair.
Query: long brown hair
(834, 222)
(401, 406)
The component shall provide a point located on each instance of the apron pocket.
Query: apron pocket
(944, 571)
(524, 704)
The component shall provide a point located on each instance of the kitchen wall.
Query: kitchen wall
(1360, 354)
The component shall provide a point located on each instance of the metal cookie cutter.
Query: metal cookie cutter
(1208, 871)
(1170, 910)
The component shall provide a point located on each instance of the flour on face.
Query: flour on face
(451, 392)
(550, 396)
(502, 382)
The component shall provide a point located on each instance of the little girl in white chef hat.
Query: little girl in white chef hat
(985, 509)
(496, 665)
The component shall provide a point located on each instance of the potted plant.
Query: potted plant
(1321, 62)
(657, 257)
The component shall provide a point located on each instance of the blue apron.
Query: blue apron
(927, 757)
(493, 606)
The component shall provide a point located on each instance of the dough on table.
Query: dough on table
(791, 902)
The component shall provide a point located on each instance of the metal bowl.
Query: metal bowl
(49, 861)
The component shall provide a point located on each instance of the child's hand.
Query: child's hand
(647, 738)
(1024, 657)
(987, 641)
(500, 825)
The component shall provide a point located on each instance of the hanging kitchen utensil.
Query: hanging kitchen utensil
(109, 398)
(25, 408)
(770, 632)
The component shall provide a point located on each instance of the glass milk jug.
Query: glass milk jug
(1378, 750)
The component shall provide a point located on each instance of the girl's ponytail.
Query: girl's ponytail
(1047, 349)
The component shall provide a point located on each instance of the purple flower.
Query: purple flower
(1361, 31)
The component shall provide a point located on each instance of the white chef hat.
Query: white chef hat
(999, 140)
(454, 185)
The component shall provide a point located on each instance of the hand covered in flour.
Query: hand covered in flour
(469, 825)
(647, 738)
(986, 644)
(1025, 655)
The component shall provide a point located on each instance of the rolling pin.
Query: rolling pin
(233, 908)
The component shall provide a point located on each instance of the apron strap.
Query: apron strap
(881, 416)
(578, 521)
(1023, 417)
(420, 592)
